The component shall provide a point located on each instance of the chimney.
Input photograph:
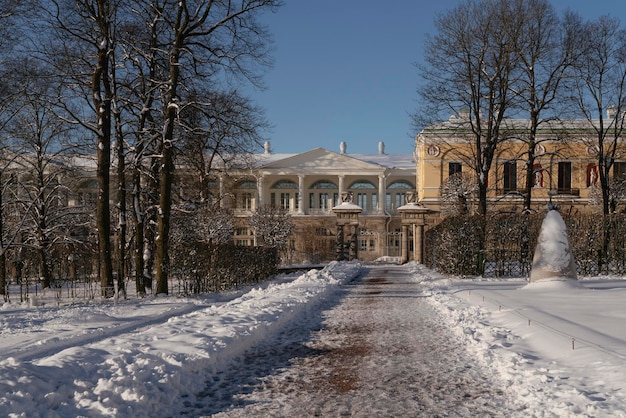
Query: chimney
(342, 147)
(611, 112)
(267, 148)
(381, 147)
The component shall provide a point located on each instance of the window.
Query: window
(454, 168)
(246, 201)
(285, 199)
(280, 198)
(510, 176)
(396, 195)
(242, 235)
(400, 199)
(320, 197)
(323, 200)
(361, 200)
(565, 177)
(619, 170)
(243, 231)
(365, 193)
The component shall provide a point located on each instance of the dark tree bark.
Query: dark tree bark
(102, 93)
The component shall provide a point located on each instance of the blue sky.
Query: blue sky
(344, 70)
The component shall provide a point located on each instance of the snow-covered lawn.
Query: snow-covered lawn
(560, 348)
(140, 358)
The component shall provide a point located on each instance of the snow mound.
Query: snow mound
(553, 258)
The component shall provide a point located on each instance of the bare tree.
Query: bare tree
(12, 12)
(601, 94)
(545, 47)
(80, 45)
(40, 189)
(145, 58)
(220, 127)
(206, 37)
(469, 67)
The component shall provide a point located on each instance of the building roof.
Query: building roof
(316, 156)
(462, 123)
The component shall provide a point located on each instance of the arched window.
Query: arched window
(362, 184)
(324, 196)
(280, 195)
(244, 198)
(400, 185)
(285, 184)
(365, 195)
(396, 195)
(323, 184)
(246, 184)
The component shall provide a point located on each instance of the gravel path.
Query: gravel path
(379, 350)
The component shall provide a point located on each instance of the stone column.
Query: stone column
(301, 194)
(418, 245)
(341, 185)
(222, 194)
(381, 193)
(260, 192)
(404, 244)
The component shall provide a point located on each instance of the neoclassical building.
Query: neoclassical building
(310, 184)
(565, 170)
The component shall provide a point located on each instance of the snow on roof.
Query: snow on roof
(455, 123)
(403, 161)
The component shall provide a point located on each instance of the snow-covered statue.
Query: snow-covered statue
(553, 258)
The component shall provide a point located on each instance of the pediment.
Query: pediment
(320, 159)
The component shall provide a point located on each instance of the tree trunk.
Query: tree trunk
(121, 196)
(161, 258)
(138, 217)
(102, 91)
(3, 275)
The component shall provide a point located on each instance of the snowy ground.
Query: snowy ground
(379, 351)
(557, 350)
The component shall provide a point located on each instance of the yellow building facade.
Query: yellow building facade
(565, 169)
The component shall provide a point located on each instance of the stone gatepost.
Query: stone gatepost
(413, 218)
(347, 225)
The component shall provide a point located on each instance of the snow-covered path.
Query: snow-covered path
(378, 349)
